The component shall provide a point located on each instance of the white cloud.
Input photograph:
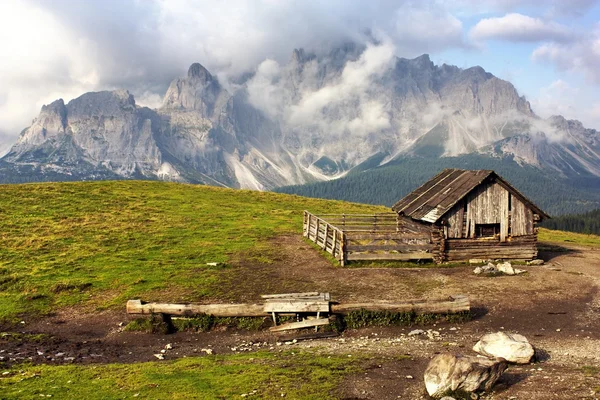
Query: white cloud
(581, 57)
(562, 98)
(417, 30)
(62, 48)
(314, 107)
(546, 8)
(520, 28)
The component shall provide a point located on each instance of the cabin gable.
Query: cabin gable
(489, 211)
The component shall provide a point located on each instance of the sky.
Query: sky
(50, 49)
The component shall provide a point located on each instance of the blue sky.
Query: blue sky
(549, 49)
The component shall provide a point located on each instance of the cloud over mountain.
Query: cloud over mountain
(520, 28)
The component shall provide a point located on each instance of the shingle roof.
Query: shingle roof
(437, 196)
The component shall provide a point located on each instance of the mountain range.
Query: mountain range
(315, 118)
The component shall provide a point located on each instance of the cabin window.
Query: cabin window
(509, 202)
(487, 230)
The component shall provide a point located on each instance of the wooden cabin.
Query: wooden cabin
(477, 213)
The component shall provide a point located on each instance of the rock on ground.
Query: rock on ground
(514, 348)
(537, 261)
(448, 373)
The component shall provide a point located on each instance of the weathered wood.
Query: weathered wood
(389, 256)
(403, 248)
(385, 236)
(454, 304)
(307, 323)
(218, 310)
(308, 336)
(318, 295)
(297, 306)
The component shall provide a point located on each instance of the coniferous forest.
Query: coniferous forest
(582, 223)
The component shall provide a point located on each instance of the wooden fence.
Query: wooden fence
(350, 237)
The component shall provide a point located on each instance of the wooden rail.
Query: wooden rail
(351, 237)
(448, 305)
(326, 236)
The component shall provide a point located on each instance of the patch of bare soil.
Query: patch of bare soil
(556, 306)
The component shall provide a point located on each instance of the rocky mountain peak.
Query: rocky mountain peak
(197, 71)
(56, 109)
(104, 103)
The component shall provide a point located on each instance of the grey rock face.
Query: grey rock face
(314, 118)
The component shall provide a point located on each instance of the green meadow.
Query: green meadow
(95, 245)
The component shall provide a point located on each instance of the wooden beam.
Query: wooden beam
(297, 296)
(307, 323)
(416, 255)
(218, 310)
(450, 305)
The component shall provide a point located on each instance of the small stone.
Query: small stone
(168, 346)
(409, 377)
(476, 261)
(558, 330)
(207, 351)
(477, 271)
(506, 268)
(160, 356)
(416, 332)
(537, 261)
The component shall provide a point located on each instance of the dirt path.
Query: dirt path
(556, 306)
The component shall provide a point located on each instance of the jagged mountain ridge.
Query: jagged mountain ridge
(314, 118)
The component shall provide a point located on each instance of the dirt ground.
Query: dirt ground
(556, 306)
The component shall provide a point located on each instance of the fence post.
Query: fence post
(305, 226)
(343, 250)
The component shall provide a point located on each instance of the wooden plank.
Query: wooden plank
(294, 295)
(391, 247)
(308, 336)
(385, 236)
(389, 256)
(296, 306)
(307, 323)
(218, 310)
(324, 216)
(453, 304)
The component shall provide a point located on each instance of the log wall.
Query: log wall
(515, 248)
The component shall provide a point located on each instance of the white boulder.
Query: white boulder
(449, 373)
(513, 348)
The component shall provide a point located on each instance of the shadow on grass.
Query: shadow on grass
(549, 251)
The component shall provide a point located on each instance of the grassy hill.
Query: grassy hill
(97, 244)
(93, 245)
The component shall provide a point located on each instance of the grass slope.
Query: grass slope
(264, 375)
(97, 244)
